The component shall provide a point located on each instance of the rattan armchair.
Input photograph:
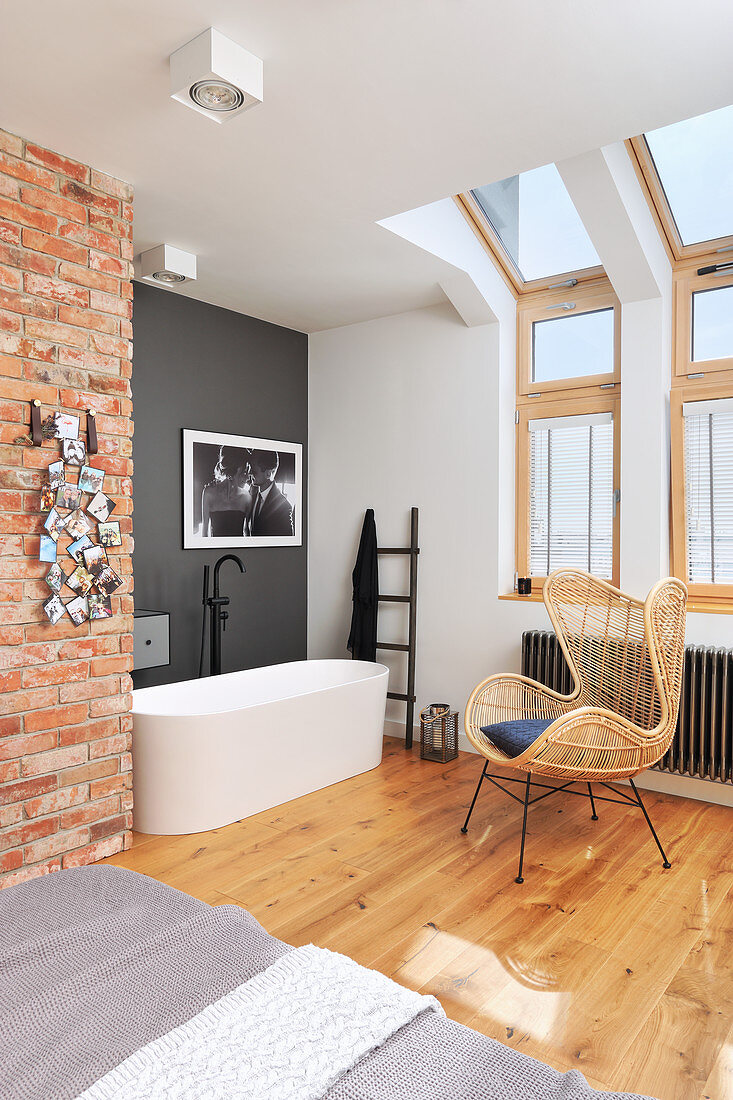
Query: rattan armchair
(625, 658)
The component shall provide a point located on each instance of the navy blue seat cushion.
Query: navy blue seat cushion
(514, 737)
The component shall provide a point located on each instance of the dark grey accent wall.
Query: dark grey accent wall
(198, 366)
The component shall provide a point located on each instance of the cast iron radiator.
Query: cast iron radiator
(703, 742)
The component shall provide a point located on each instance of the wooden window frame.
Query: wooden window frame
(653, 188)
(704, 595)
(566, 406)
(691, 381)
(686, 283)
(540, 307)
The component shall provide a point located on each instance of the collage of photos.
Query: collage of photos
(77, 509)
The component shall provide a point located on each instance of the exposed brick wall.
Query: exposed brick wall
(65, 338)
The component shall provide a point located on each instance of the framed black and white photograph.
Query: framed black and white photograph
(241, 491)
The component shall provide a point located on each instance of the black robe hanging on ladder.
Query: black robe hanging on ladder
(363, 637)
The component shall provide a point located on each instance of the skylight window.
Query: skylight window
(534, 217)
(694, 162)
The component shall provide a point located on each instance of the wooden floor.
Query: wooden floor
(601, 961)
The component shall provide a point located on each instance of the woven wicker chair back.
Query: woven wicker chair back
(624, 657)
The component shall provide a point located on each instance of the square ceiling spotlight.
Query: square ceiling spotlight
(166, 266)
(215, 76)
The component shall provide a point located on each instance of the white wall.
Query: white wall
(405, 411)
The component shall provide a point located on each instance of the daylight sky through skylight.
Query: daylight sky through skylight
(694, 161)
(537, 223)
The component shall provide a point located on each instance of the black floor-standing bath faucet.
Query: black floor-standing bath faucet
(218, 616)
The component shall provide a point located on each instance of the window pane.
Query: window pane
(712, 324)
(709, 497)
(571, 498)
(573, 346)
(539, 227)
(694, 161)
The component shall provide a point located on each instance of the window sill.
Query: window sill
(536, 597)
(710, 606)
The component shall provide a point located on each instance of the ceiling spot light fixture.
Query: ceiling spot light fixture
(166, 266)
(216, 77)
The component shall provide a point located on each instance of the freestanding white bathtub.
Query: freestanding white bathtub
(209, 752)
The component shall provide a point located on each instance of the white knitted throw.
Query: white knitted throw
(287, 1034)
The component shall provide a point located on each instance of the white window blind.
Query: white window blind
(709, 490)
(571, 494)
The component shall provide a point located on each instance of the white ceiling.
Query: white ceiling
(371, 107)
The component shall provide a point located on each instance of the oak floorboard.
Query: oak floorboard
(601, 961)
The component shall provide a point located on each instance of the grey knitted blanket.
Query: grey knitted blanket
(97, 962)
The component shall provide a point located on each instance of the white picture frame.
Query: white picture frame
(225, 480)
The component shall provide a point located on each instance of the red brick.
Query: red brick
(111, 186)
(54, 246)
(28, 788)
(112, 825)
(60, 334)
(55, 204)
(9, 681)
(90, 811)
(56, 801)
(93, 237)
(82, 276)
(84, 773)
(113, 784)
(103, 666)
(57, 673)
(57, 163)
(109, 746)
(17, 302)
(9, 771)
(10, 860)
(9, 233)
(109, 303)
(89, 731)
(43, 763)
(31, 830)
(110, 265)
(20, 656)
(56, 290)
(11, 322)
(101, 850)
(84, 318)
(27, 261)
(89, 689)
(119, 704)
(10, 726)
(78, 399)
(9, 277)
(13, 748)
(11, 815)
(108, 204)
(20, 214)
(28, 173)
(11, 143)
(28, 349)
(87, 647)
(27, 873)
(54, 845)
(55, 717)
(21, 701)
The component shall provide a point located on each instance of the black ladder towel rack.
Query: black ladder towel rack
(408, 697)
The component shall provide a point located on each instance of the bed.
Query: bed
(106, 974)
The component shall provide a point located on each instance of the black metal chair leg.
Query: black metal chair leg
(464, 829)
(519, 878)
(594, 815)
(665, 861)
